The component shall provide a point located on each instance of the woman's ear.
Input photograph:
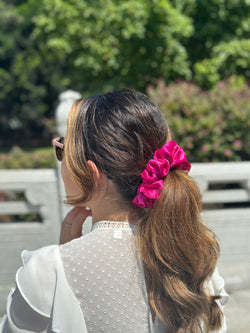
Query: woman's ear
(100, 180)
(96, 172)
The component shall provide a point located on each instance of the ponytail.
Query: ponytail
(179, 254)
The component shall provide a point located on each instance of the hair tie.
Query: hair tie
(170, 156)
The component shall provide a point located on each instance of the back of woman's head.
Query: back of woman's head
(120, 132)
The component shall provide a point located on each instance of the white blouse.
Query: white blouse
(92, 284)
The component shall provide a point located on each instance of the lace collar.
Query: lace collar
(113, 225)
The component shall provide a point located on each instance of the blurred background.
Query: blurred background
(192, 58)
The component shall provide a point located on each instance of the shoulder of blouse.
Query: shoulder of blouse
(43, 285)
(36, 279)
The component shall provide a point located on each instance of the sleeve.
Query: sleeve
(29, 306)
(20, 317)
(36, 279)
(42, 301)
(216, 286)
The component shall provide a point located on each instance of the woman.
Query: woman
(149, 263)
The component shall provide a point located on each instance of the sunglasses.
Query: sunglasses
(58, 145)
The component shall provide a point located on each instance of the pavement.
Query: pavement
(237, 311)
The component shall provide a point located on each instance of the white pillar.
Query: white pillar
(66, 100)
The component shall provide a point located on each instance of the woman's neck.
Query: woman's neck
(108, 205)
(118, 215)
(113, 210)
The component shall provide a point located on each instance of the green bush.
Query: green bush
(50, 46)
(210, 125)
(89, 46)
(17, 158)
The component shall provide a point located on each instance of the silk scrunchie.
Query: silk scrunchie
(170, 156)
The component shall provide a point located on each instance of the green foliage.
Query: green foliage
(112, 44)
(17, 158)
(227, 59)
(95, 46)
(24, 86)
(90, 46)
(210, 125)
(220, 45)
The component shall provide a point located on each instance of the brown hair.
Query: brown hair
(119, 132)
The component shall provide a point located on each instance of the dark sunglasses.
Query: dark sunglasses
(58, 145)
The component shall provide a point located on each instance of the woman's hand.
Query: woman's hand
(71, 227)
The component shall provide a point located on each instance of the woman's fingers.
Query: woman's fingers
(78, 220)
(71, 227)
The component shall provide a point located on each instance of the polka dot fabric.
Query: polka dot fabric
(107, 278)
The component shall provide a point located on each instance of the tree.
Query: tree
(24, 86)
(220, 45)
(94, 45)
(90, 46)
(107, 44)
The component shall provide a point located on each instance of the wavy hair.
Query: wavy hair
(119, 132)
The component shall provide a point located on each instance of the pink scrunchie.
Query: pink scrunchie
(170, 156)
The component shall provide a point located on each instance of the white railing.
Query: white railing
(226, 211)
(225, 191)
(40, 192)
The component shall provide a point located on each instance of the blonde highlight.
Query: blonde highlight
(75, 155)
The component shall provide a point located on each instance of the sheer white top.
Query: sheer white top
(92, 284)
